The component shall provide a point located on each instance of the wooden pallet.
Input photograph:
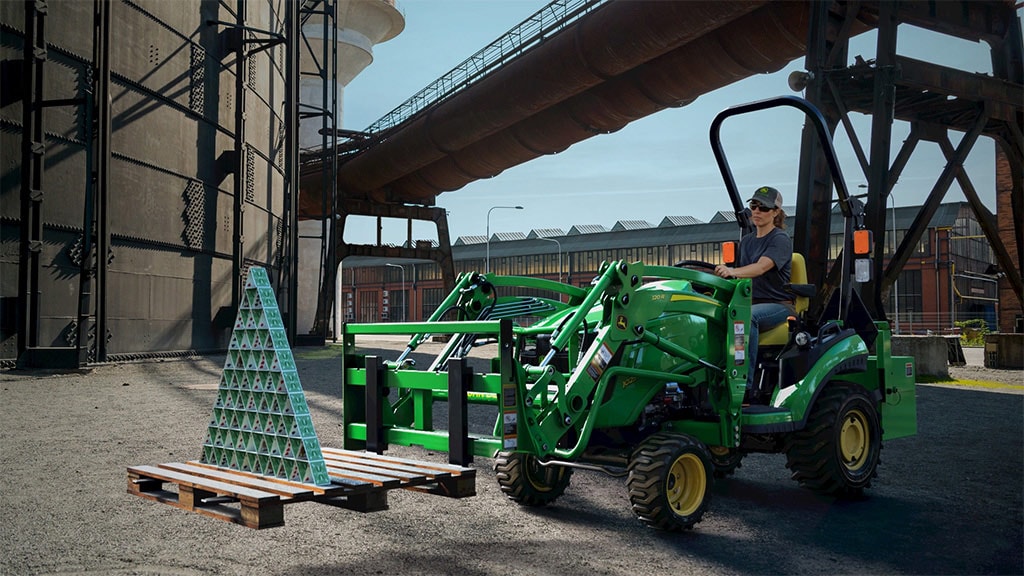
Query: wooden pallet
(359, 481)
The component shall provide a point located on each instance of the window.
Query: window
(368, 301)
(399, 305)
(908, 310)
(430, 299)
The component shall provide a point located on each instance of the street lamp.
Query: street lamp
(559, 254)
(487, 262)
(405, 297)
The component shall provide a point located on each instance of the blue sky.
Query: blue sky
(658, 166)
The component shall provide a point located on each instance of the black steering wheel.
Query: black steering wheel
(694, 264)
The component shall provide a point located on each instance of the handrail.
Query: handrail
(525, 35)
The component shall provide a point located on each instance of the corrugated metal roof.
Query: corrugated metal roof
(678, 221)
(420, 243)
(717, 231)
(586, 229)
(507, 236)
(465, 240)
(631, 225)
(545, 233)
(723, 216)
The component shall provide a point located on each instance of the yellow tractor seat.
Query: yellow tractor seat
(779, 335)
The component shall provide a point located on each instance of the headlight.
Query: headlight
(802, 339)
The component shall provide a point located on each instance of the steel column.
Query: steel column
(289, 270)
(238, 211)
(881, 138)
(814, 187)
(33, 149)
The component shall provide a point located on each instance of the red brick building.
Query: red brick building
(947, 279)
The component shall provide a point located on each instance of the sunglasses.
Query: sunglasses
(761, 208)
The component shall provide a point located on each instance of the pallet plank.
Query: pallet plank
(376, 470)
(257, 509)
(381, 481)
(385, 465)
(338, 486)
(265, 483)
(418, 463)
(215, 486)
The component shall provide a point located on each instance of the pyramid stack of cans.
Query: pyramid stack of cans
(261, 422)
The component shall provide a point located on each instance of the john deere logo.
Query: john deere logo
(621, 322)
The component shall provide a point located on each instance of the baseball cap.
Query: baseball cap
(767, 196)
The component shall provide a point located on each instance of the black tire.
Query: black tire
(837, 453)
(725, 460)
(670, 481)
(525, 482)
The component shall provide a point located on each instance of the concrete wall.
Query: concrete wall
(1004, 351)
(931, 353)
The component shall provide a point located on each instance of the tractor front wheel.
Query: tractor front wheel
(670, 481)
(837, 453)
(522, 478)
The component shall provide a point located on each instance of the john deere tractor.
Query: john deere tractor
(643, 375)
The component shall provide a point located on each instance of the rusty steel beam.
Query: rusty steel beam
(565, 65)
(924, 90)
(760, 42)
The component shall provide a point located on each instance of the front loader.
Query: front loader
(643, 374)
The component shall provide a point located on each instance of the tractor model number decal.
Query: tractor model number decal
(510, 420)
(738, 332)
(599, 362)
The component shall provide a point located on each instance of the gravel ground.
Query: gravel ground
(947, 501)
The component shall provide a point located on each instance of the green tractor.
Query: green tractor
(643, 375)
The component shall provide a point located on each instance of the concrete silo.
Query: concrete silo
(359, 26)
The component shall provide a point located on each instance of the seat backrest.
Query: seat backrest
(798, 275)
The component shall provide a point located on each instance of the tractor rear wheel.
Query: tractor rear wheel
(522, 478)
(670, 481)
(837, 453)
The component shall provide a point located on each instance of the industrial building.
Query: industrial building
(949, 278)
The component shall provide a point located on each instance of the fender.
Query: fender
(845, 354)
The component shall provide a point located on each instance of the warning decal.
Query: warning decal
(599, 362)
(738, 331)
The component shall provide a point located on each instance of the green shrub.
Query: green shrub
(972, 332)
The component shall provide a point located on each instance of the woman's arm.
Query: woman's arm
(754, 270)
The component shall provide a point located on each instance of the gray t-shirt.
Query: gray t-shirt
(776, 245)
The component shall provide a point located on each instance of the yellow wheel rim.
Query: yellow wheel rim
(685, 485)
(854, 440)
(538, 476)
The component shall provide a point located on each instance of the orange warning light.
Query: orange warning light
(862, 242)
(729, 253)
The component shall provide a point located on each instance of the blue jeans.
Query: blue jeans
(767, 315)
